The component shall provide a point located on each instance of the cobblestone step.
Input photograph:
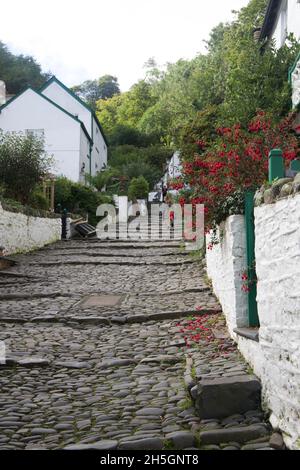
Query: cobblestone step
(108, 378)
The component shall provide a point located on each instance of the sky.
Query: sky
(80, 40)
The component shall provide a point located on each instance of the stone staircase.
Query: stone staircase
(146, 231)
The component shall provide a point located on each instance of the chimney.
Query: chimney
(256, 34)
(2, 93)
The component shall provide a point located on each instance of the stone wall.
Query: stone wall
(276, 357)
(21, 233)
(277, 232)
(226, 262)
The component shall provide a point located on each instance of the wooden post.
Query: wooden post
(276, 165)
(52, 195)
(64, 224)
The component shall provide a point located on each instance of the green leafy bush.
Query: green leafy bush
(37, 200)
(138, 188)
(15, 206)
(23, 163)
(79, 199)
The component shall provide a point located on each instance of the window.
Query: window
(97, 130)
(97, 150)
(40, 133)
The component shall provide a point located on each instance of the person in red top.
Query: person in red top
(172, 218)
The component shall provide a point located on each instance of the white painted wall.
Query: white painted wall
(2, 92)
(295, 80)
(174, 168)
(288, 22)
(60, 96)
(21, 233)
(225, 264)
(99, 151)
(277, 232)
(84, 163)
(276, 358)
(62, 133)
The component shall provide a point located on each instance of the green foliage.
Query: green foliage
(79, 199)
(108, 87)
(229, 83)
(138, 189)
(130, 161)
(37, 199)
(155, 155)
(93, 90)
(23, 164)
(182, 104)
(14, 206)
(19, 71)
(233, 204)
(204, 124)
(125, 110)
(126, 135)
(103, 179)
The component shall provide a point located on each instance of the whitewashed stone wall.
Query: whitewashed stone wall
(277, 234)
(21, 233)
(225, 264)
(275, 359)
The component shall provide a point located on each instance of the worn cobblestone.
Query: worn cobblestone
(107, 377)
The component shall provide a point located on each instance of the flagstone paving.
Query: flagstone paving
(113, 372)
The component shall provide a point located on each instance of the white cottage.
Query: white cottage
(283, 18)
(71, 130)
(174, 168)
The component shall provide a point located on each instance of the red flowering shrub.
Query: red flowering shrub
(217, 175)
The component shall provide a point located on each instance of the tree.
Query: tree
(138, 189)
(23, 163)
(108, 87)
(219, 172)
(126, 109)
(19, 71)
(103, 88)
(77, 198)
(103, 179)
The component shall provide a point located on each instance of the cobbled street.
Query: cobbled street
(97, 354)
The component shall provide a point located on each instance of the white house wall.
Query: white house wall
(290, 8)
(84, 155)
(99, 151)
(61, 132)
(60, 96)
